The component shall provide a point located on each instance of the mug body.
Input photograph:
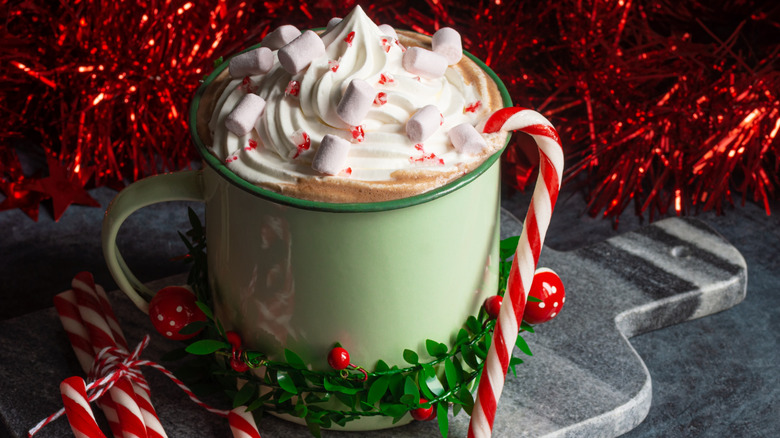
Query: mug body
(377, 282)
(376, 278)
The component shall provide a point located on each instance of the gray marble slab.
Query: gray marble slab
(584, 379)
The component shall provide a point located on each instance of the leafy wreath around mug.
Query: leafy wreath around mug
(215, 361)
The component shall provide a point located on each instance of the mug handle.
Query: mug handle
(177, 186)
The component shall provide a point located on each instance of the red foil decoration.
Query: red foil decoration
(665, 107)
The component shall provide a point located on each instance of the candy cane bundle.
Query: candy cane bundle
(102, 351)
(129, 400)
(527, 253)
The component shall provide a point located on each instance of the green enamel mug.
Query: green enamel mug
(378, 278)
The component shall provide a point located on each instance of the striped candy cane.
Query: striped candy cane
(101, 336)
(521, 274)
(68, 311)
(154, 428)
(242, 423)
(127, 409)
(80, 416)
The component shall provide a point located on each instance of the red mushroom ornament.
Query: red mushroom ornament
(172, 309)
(548, 287)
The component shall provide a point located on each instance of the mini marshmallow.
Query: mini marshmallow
(244, 116)
(280, 37)
(446, 42)
(388, 30)
(424, 63)
(300, 52)
(331, 157)
(333, 23)
(356, 102)
(466, 139)
(254, 62)
(423, 123)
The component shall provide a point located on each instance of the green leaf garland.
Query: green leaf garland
(291, 387)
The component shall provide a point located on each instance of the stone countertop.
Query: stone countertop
(713, 376)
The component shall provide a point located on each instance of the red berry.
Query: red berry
(493, 306)
(548, 287)
(238, 365)
(338, 358)
(172, 309)
(423, 414)
(234, 339)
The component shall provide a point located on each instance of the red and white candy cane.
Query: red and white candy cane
(242, 423)
(80, 416)
(521, 274)
(68, 311)
(133, 412)
(140, 386)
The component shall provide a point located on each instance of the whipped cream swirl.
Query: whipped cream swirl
(277, 153)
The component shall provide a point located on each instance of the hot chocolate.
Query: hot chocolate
(388, 112)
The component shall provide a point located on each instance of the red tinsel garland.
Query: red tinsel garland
(666, 106)
(672, 105)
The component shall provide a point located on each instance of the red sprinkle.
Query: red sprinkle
(403, 49)
(293, 88)
(347, 171)
(386, 44)
(302, 142)
(350, 37)
(427, 159)
(358, 135)
(441, 120)
(386, 78)
(334, 65)
(380, 99)
(473, 107)
(252, 144)
(246, 85)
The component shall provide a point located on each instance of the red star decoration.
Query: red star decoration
(65, 189)
(18, 195)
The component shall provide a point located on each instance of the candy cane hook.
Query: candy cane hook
(529, 247)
